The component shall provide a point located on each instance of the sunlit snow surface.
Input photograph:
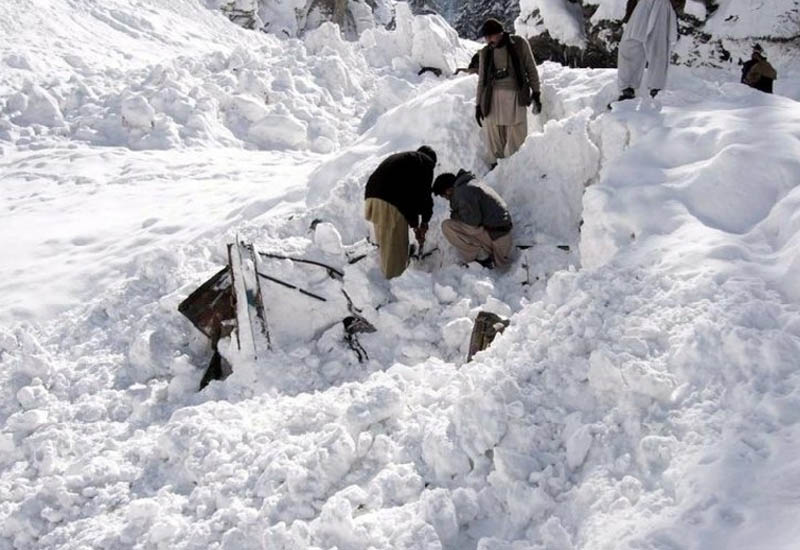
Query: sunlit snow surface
(646, 394)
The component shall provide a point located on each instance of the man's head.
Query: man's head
(758, 52)
(444, 184)
(492, 30)
(428, 151)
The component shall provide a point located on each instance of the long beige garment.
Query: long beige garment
(470, 241)
(391, 232)
(506, 125)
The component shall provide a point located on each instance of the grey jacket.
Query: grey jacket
(477, 204)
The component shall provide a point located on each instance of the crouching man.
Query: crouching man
(480, 224)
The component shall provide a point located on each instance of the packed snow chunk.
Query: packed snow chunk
(33, 396)
(279, 131)
(7, 447)
(137, 112)
(28, 421)
(631, 488)
(414, 290)
(395, 485)
(604, 375)
(555, 536)
(480, 421)
(326, 36)
(40, 107)
(441, 513)
(656, 452)
(578, 445)
(435, 43)
(328, 239)
(248, 108)
(442, 454)
(642, 378)
(456, 333)
(8, 342)
(379, 403)
(514, 465)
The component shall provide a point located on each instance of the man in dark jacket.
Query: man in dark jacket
(480, 224)
(507, 83)
(398, 195)
(758, 73)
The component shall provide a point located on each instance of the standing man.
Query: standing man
(758, 73)
(507, 83)
(398, 195)
(480, 224)
(651, 29)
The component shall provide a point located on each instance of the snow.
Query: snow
(564, 20)
(644, 395)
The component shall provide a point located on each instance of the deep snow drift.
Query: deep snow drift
(645, 395)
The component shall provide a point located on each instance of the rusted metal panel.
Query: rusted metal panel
(210, 308)
(487, 327)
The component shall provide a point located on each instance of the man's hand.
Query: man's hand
(536, 100)
(478, 115)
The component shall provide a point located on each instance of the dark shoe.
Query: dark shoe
(654, 92)
(627, 93)
(488, 263)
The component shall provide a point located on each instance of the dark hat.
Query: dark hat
(443, 182)
(428, 151)
(757, 48)
(491, 26)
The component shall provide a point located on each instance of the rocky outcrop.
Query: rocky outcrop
(467, 16)
(291, 19)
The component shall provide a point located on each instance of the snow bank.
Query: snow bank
(241, 93)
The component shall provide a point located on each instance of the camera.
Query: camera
(500, 74)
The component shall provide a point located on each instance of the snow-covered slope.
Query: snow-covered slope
(645, 394)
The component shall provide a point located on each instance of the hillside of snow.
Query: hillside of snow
(645, 395)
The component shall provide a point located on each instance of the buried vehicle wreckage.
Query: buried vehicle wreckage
(235, 303)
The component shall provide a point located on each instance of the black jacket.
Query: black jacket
(404, 180)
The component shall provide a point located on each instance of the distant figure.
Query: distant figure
(651, 29)
(480, 224)
(472, 68)
(398, 195)
(758, 73)
(507, 83)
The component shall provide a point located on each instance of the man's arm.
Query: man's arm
(529, 64)
(481, 77)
